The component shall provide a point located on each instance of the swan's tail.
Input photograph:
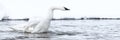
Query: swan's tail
(12, 28)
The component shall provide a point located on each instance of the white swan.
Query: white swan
(39, 26)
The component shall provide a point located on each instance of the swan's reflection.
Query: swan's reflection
(40, 36)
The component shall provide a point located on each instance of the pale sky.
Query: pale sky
(79, 8)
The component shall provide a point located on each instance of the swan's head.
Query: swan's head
(60, 8)
(66, 8)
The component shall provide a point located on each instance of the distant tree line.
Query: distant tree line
(82, 18)
(89, 18)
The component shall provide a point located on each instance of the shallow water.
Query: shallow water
(67, 30)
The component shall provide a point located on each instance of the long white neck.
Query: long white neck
(50, 13)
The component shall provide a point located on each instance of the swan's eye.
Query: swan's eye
(66, 8)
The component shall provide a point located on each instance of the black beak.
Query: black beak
(66, 8)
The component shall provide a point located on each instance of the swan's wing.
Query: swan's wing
(19, 27)
(22, 27)
(29, 26)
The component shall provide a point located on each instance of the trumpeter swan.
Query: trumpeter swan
(39, 26)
